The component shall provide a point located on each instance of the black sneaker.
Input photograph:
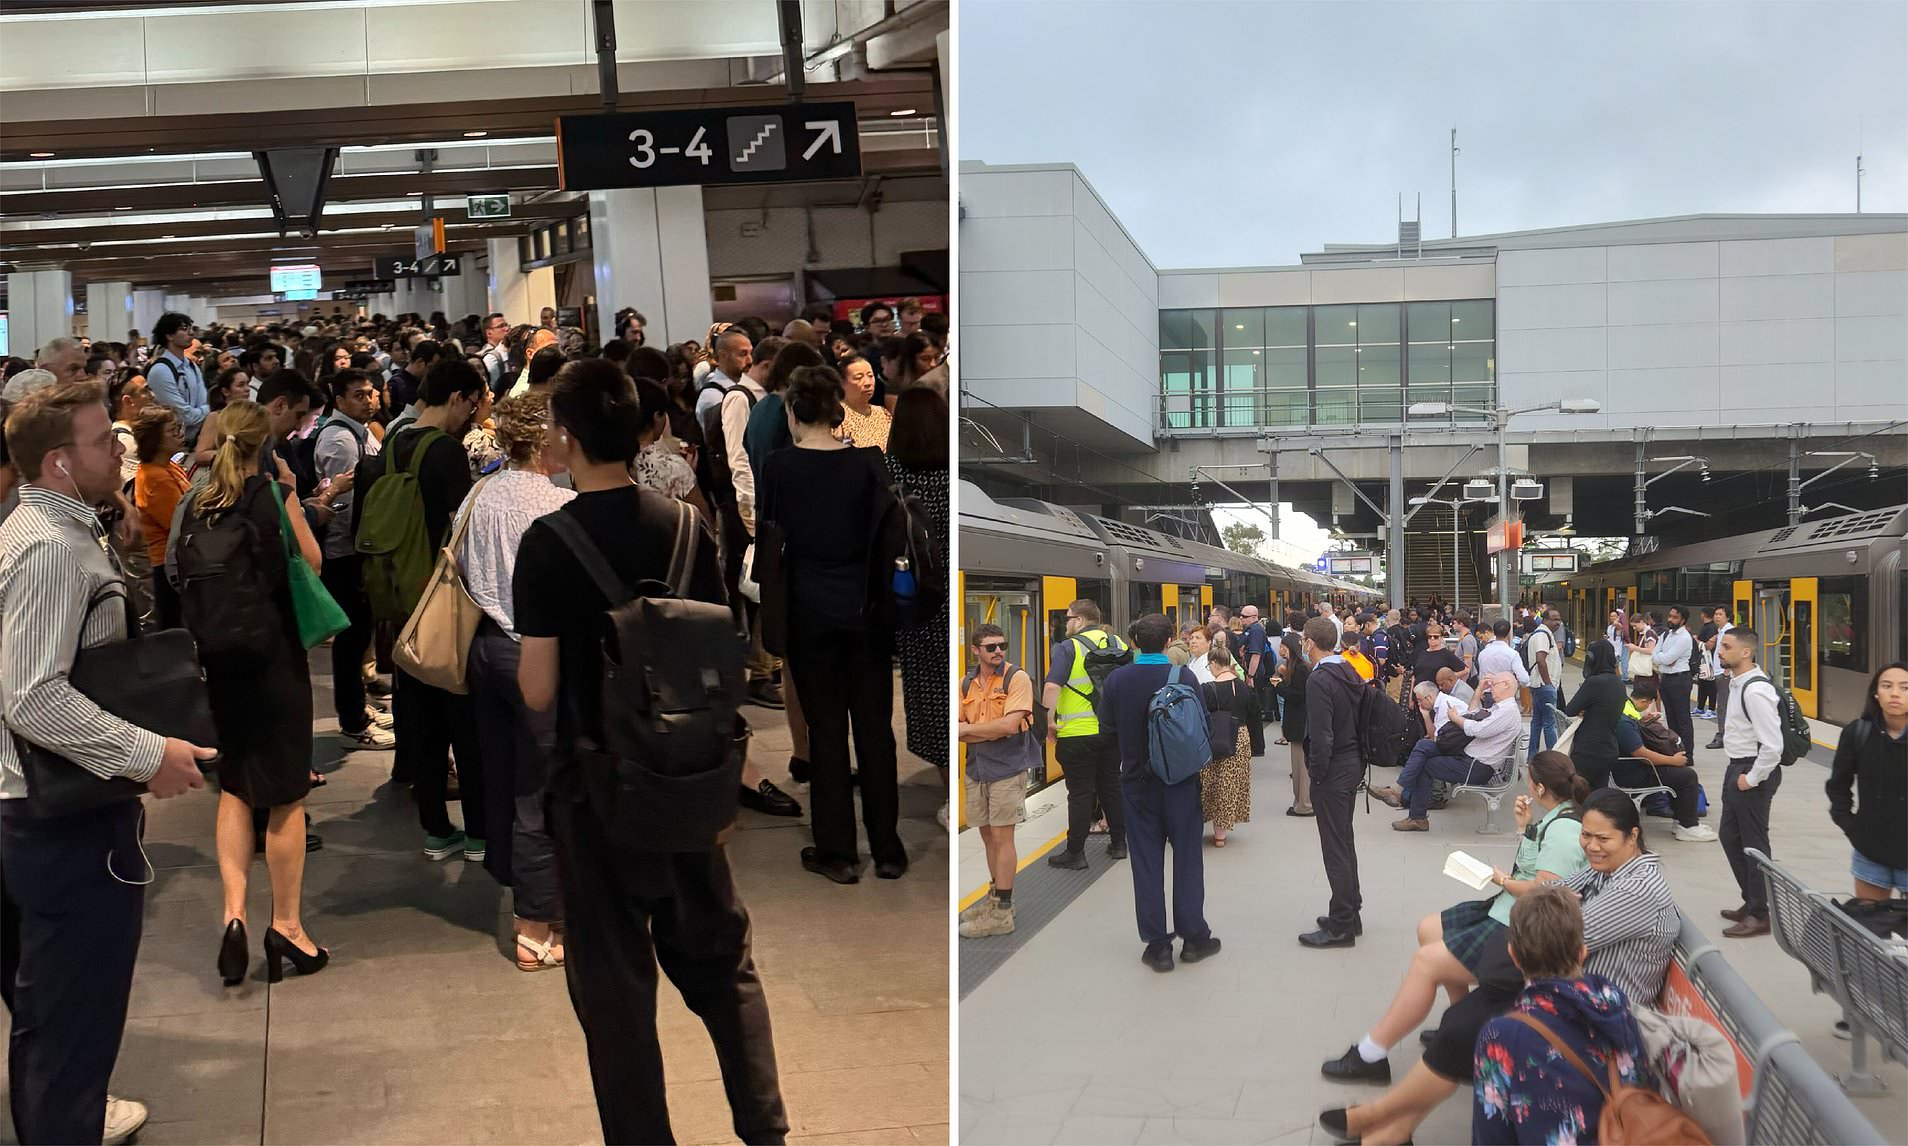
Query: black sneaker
(1358, 925)
(1427, 1036)
(766, 693)
(1191, 952)
(891, 869)
(1713, 744)
(1326, 937)
(1067, 858)
(769, 800)
(840, 871)
(1353, 1068)
(1116, 848)
(1159, 956)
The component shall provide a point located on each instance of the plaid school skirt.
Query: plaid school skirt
(1468, 927)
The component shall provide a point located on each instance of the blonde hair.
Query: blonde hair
(1217, 656)
(520, 423)
(243, 428)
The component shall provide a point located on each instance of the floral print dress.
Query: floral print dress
(1525, 1092)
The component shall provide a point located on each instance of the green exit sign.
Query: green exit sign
(487, 206)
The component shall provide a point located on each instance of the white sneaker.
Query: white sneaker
(1700, 834)
(378, 716)
(374, 736)
(124, 1117)
(940, 817)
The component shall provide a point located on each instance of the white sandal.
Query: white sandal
(546, 958)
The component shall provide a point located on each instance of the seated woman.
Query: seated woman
(1524, 1093)
(1492, 731)
(1654, 754)
(1630, 923)
(1450, 943)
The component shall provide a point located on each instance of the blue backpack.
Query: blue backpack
(1178, 744)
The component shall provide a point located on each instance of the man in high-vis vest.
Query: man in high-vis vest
(1089, 755)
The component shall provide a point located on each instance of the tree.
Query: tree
(1243, 537)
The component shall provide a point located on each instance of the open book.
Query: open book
(1468, 870)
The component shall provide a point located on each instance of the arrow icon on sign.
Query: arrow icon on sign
(830, 133)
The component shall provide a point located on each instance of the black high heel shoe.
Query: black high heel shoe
(278, 948)
(233, 954)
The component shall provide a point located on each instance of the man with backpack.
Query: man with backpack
(1158, 812)
(174, 378)
(997, 727)
(1540, 655)
(1753, 740)
(1082, 742)
(340, 442)
(407, 496)
(1333, 694)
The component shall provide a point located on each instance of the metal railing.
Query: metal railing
(1793, 1100)
(1258, 407)
(1847, 962)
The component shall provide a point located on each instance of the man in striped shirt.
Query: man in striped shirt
(76, 880)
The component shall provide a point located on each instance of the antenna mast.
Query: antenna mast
(1858, 168)
(1454, 155)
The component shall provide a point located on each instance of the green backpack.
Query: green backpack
(392, 538)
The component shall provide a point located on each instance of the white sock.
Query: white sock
(1370, 1051)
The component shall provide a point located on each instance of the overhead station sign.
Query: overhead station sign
(427, 266)
(780, 143)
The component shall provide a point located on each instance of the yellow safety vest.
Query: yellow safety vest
(1073, 712)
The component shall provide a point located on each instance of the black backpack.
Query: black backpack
(1386, 731)
(1099, 664)
(665, 776)
(908, 580)
(1797, 736)
(717, 477)
(227, 574)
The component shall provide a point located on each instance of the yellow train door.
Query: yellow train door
(1802, 643)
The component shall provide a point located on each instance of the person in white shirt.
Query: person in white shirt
(1493, 732)
(1753, 743)
(1546, 673)
(1326, 610)
(1672, 658)
(1199, 644)
(1713, 652)
(1614, 632)
(1497, 656)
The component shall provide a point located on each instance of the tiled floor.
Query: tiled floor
(422, 1031)
(1073, 1041)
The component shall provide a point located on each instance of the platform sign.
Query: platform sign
(1504, 535)
(1552, 560)
(779, 143)
(428, 266)
(487, 206)
(1352, 565)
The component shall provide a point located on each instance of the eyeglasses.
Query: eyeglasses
(994, 647)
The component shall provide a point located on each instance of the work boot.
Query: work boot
(1068, 858)
(1116, 848)
(998, 921)
(978, 908)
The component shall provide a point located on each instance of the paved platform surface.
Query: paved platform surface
(423, 1031)
(1072, 1040)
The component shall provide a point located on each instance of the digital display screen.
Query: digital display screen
(3, 332)
(299, 295)
(300, 277)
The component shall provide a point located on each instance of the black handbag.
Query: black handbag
(152, 681)
(1452, 739)
(1222, 727)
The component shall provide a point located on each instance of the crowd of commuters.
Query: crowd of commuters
(293, 484)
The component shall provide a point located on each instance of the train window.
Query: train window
(1843, 602)
(1144, 598)
(1802, 667)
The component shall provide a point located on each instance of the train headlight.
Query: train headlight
(1139, 563)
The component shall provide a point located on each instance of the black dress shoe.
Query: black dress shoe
(1325, 937)
(798, 769)
(1716, 743)
(1193, 952)
(1334, 1122)
(1159, 956)
(769, 800)
(1358, 925)
(1072, 860)
(840, 871)
(766, 694)
(1351, 1067)
(1427, 1036)
(1115, 848)
(891, 869)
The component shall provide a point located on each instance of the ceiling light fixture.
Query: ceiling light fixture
(122, 208)
(903, 111)
(475, 134)
(40, 154)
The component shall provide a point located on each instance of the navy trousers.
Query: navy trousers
(1158, 814)
(1427, 764)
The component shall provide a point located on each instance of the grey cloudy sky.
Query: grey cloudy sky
(1242, 133)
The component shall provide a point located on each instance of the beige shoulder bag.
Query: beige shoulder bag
(435, 642)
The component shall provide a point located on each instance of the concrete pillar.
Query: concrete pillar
(109, 311)
(539, 292)
(652, 253)
(465, 294)
(147, 306)
(40, 309)
(507, 291)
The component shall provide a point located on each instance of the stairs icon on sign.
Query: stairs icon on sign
(756, 143)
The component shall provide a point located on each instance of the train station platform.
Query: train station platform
(422, 1030)
(1067, 1038)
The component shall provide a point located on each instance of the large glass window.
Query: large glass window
(1844, 622)
(1243, 367)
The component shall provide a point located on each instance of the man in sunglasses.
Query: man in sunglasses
(997, 727)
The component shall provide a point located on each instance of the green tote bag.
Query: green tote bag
(320, 617)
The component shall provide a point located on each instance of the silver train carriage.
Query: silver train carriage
(1828, 599)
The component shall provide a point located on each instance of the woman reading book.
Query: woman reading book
(1451, 942)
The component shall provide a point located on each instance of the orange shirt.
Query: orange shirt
(986, 700)
(157, 488)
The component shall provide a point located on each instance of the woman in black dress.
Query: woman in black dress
(1293, 673)
(822, 494)
(261, 699)
(917, 462)
(1599, 700)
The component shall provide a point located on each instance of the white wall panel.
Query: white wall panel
(1531, 388)
(1689, 389)
(1567, 349)
(1649, 302)
(1765, 394)
(1015, 298)
(1778, 257)
(1017, 352)
(1645, 347)
(1372, 284)
(1880, 384)
(1872, 293)
(990, 194)
(1871, 340)
(1650, 261)
(1178, 292)
(1455, 282)
(1021, 243)
(1550, 267)
(1550, 307)
(1884, 252)
(1754, 297)
(1265, 288)
(1778, 342)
